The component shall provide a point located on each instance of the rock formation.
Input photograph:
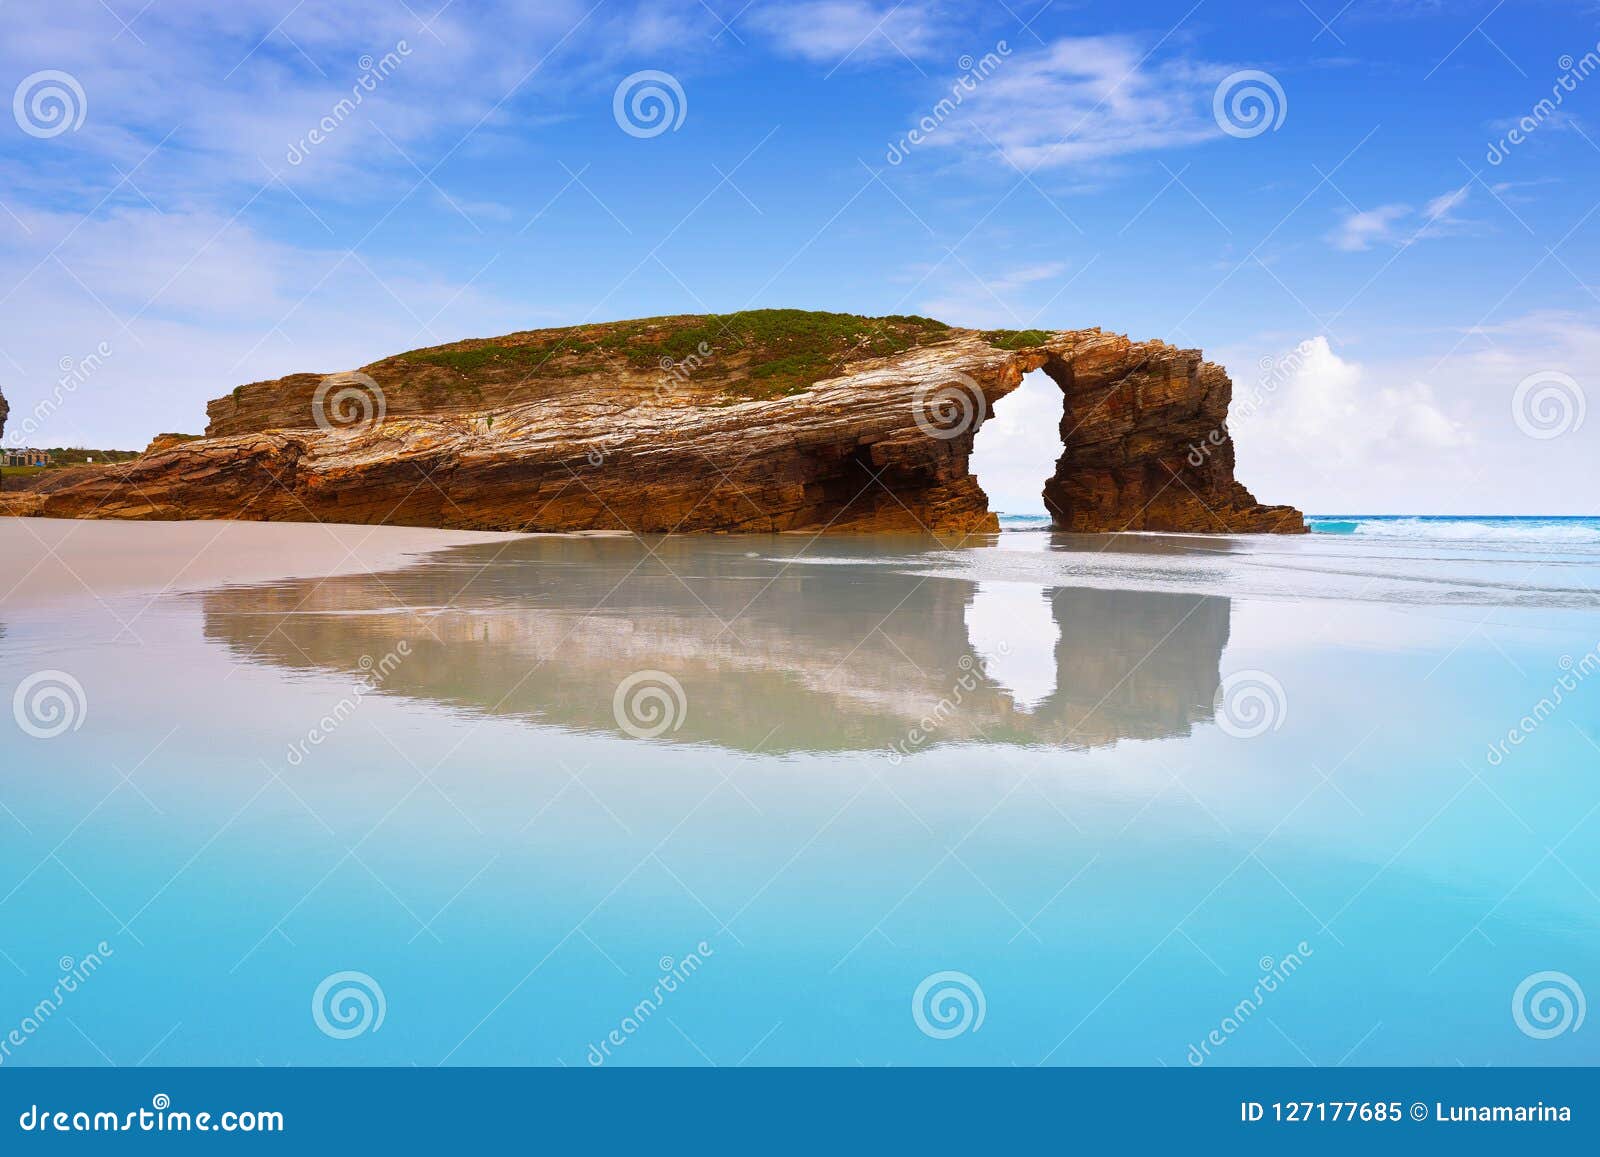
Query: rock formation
(163, 442)
(772, 420)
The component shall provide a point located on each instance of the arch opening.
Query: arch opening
(1016, 450)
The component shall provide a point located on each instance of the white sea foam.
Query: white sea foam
(1528, 530)
(1554, 531)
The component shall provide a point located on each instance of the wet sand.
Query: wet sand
(44, 560)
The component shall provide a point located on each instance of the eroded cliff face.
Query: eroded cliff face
(1145, 443)
(867, 429)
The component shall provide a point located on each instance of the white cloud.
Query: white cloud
(1400, 224)
(1416, 420)
(1440, 207)
(1319, 403)
(1421, 431)
(1557, 119)
(1028, 275)
(833, 31)
(157, 229)
(1315, 430)
(190, 305)
(224, 89)
(1016, 450)
(1513, 190)
(1365, 229)
(1083, 99)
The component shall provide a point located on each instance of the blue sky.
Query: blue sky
(1365, 272)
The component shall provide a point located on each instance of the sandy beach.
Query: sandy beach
(44, 560)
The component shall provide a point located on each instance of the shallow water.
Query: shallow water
(1139, 792)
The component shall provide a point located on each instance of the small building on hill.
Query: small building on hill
(24, 457)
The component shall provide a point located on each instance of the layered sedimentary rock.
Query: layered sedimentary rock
(766, 421)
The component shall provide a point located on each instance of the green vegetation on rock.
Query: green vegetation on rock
(759, 353)
(1016, 339)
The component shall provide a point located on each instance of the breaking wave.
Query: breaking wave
(1553, 531)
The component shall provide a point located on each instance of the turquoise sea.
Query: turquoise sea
(1039, 798)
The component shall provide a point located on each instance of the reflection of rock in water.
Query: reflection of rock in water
(1136, 664)
(772, 655)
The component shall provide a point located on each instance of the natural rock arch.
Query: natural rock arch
(1145, 443)
(555, 430)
